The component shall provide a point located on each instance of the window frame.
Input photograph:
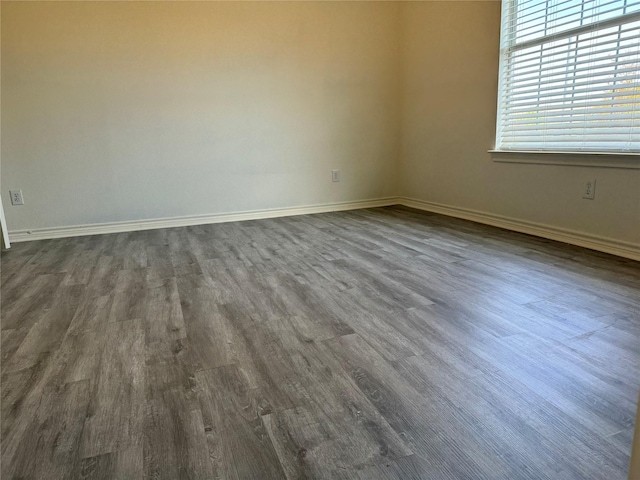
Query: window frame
(615, 158)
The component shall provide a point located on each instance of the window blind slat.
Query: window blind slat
(558, 7)
(552, 133)
(601, 106)
(527, 124)
(574, 140)
(601, 86)
(621, 61)
(583, 96)
(524, 13)
(574, 57)
(584, 29)
(586, 83)
(594, 127)
(554, 27)
(596, 36)
(557, 13)
(535, 53)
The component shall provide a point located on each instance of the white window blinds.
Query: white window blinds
(570, 76)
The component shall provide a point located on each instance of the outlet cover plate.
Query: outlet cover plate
(16, 197)
(589, 190)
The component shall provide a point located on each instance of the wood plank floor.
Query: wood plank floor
(373, 344)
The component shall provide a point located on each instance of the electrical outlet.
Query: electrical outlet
(16, 197)
(335, 175)
(589, 190)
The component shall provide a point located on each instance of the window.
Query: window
(569, 76)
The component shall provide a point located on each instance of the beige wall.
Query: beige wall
(141, 110)
(450, 82)
(120, 111)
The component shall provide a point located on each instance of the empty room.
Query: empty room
(320, 240)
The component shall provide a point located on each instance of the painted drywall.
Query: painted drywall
(450, 78)
(117, 111)
(125, 111)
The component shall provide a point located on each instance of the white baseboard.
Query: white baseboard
(135, 225)
(602, 244)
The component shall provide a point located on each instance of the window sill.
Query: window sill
(575, 159)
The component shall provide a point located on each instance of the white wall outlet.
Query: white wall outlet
(16, 197)
(589, 190)
(335, 175)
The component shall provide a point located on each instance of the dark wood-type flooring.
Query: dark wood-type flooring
(372, 344)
